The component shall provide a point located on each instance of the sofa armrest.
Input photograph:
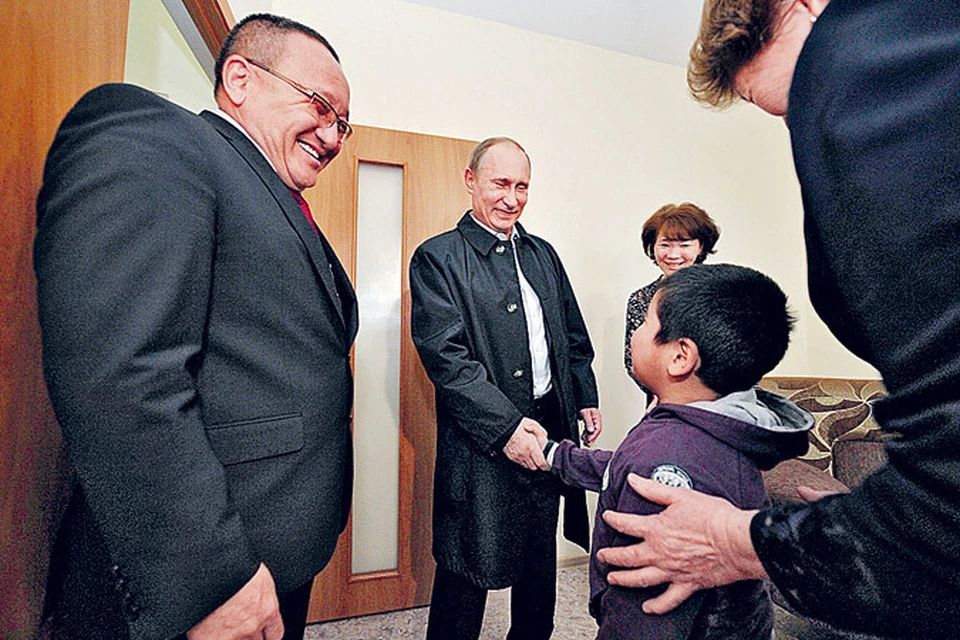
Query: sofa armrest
(854, 460)
(782, 481)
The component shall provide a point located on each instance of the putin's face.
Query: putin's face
(499, 186)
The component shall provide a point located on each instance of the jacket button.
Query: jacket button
(518, 373)
(511, 307)
(500, 248)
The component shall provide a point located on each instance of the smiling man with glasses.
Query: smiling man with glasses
(294, 129)
(196, 330)
(327, 115)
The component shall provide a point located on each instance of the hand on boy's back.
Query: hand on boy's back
(525, 446)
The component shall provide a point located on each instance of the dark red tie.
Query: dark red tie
(313, 225)
(306, 210)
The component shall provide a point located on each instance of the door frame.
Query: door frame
(434, 198)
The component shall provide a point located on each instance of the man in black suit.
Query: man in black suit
(196, 337)
(500, 334)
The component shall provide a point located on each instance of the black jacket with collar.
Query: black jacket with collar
(470, 330)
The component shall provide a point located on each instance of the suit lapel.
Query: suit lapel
(325, 262)
(348, 298)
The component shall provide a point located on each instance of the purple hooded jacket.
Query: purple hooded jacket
(718, 448)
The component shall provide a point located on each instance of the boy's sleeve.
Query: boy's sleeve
(580, 468)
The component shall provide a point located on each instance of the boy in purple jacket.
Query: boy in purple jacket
(710, 333)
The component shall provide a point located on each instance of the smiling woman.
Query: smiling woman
(674, 237)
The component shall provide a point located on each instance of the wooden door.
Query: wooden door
(53, 52)
(433, 199)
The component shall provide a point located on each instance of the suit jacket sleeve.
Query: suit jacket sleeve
(464, 391)
(123, 255)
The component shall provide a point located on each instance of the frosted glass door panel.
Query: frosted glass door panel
(376, 423)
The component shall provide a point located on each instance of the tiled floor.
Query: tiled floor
(572, 620)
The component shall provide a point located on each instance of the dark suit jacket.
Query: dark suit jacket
(875, 124)
(469, 328)
(198, 364)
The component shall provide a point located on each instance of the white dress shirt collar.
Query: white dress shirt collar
(226, 116)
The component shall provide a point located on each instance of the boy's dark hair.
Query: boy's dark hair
(737, 317)
(260, 36)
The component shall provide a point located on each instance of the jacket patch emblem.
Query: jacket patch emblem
(672, 476)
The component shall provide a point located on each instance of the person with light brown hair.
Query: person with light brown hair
(871, 92)
(731, 34)
(674, 237)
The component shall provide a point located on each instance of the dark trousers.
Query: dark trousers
(457, 605)
(293, 610)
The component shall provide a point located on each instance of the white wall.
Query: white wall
(611, 138)
(159, 59)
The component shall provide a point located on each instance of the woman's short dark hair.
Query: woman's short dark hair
(732, 32)
(684, 221)
(737, 317)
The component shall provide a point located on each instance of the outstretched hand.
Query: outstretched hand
(696, 542)
(525, 446)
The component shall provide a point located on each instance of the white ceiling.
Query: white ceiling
(660, 30)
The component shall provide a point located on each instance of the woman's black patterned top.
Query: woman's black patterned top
(637, 305)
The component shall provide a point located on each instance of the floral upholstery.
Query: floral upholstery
(846, 445)
(841, 408)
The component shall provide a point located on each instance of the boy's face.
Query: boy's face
(650, 358)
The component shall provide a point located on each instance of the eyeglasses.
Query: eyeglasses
(328, 115)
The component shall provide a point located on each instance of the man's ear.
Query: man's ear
(685, 359)
(469, 179)
(235, 79)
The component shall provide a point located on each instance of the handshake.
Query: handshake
(525, 446)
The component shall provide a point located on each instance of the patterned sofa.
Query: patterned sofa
(846, 445)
